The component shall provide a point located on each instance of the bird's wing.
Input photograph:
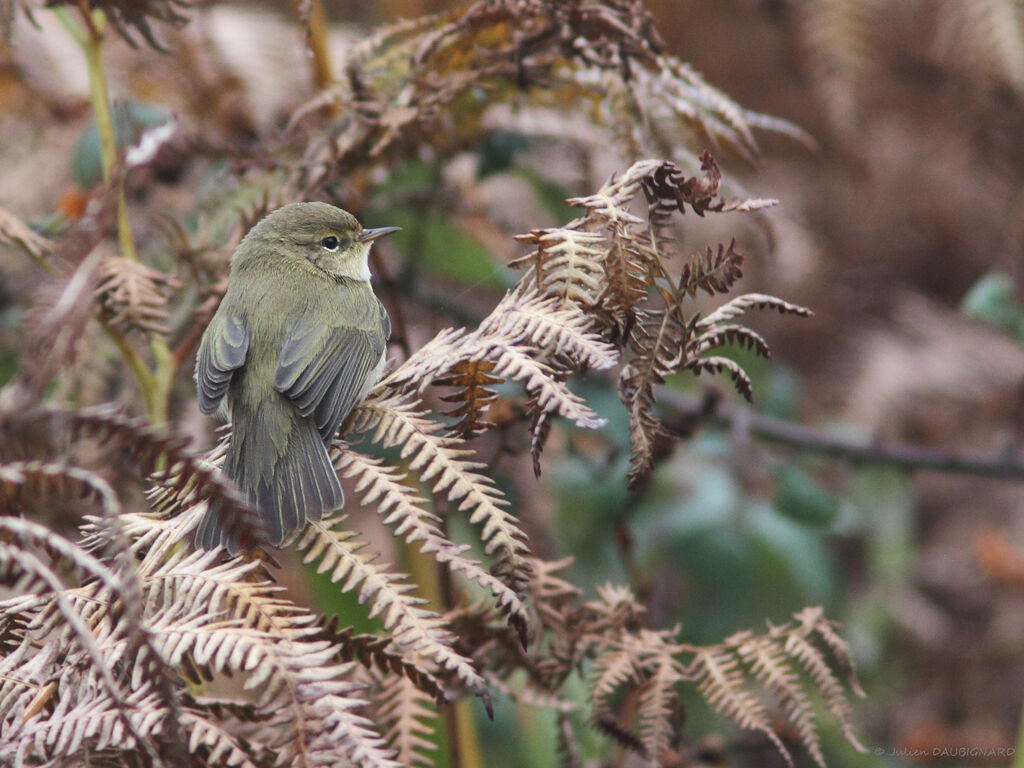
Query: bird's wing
(221, 352)
(323, 370)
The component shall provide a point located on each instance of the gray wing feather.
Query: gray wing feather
(385, 322)
(323, 370)
(221, 352)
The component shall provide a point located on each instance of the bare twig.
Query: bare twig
(688, 413)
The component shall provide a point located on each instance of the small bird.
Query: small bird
(297, 341)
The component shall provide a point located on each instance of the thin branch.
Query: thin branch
(689, 413)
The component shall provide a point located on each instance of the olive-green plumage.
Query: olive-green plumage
(297, 341)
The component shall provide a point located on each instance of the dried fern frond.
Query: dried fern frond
(132, 295)
(526, 338)
(645, 662)
(659, 340)
(611, 257)
(474, 380)
(376, 652)
(26, 483)
(403, 85)
(799, 644)
(440, 462)
(403, 507)
(614, 265)
(636, 672)
(415, 629)
(767, 662)
(192, 614)
(53, 610)
(220, 746)
(14, 231)
(712, 273)
(657, 707)
(612, 670)
(96, 720)
(566, 264)
(552, 329)
(737, 306)
(131, 17)
(549, 592)
(403, 711)
(724, 674)
(721, 681)
(731, 676)
(184, 478)
(163, 609)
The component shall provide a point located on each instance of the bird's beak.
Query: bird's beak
(372, 234)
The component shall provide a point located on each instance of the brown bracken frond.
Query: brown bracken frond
(135, 16)
(712, 273)
(617, 268)
(109, 635)
(603, 290)
(134, 296)
(474, 380)
(377, 652)
(403, 508)
(441, 462)
(400, 85)
(14, 231)
(416, 630)
(30, 483)
(403, 711)
(155, 453)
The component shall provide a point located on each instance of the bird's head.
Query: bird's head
(328, 238)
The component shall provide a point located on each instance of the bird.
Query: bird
(297, 341)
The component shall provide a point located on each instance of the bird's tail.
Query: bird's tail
(285, 474)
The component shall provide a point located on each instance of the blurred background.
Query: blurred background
(902, 228)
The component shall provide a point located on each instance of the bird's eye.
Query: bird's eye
(330, 242)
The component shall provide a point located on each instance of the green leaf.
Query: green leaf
(331, 601)
(798, 555)
(444, 250)
(783, 393)
(592, 501)
(800, 497)
(498, 151)
(992, 300)
(883, 499)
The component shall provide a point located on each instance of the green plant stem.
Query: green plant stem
(166, 367)
(1018, 760)
(457, 717)
(92, 46)
(316, 41)
(465, 749)
(155, 384)
(145, 378)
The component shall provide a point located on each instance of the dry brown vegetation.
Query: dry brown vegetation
(120, 644)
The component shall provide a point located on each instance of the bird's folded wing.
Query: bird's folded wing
(323, 370)
(221, 352)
